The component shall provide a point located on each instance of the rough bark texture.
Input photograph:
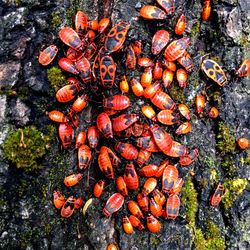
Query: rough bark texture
(28, 219)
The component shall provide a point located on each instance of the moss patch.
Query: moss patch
(233, 188)
(24, 146)
(225, 139)
(228, 165)
(56, 77)
(189, 201)
(56, 19)
(176, 93)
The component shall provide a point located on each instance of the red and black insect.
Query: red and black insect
(107, 71)
(104, 125)
(47, 55)
(113, 204)
(124, 121)
(116, 37)
(126, 150)
(116, 102)
(84, 157)
(130, 177)
(65, 134)
(216, 197)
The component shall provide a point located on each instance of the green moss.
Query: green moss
(56, 20)
(228, 165)
(71, 11)
(24, 146)
(18, 2)
(56, 78)
(203, 182)
(8, 92)
(176, 93)
(189, 201)
(199, 239)
(225, 139)
(214, 239)
(233, 188)
(195, 29)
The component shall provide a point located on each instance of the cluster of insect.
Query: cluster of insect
(95, 71)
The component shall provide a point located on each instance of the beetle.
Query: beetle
(182, 77)
(68, 92)
(72, 179)
(80, 139)
(81, 19)
(155, 208)
(167, 117)
(161, 168)
(112, 246)
(177, 150)
(147, 77)
(58, 199)
(104, 163)
(186, 61)
(135, 209)
(93, 136)
(189, 158)
(145, 62)
(152, 12)
(143, 202)
(153, 224)
(47, 55)
(244, 69)
(200, 103)
(184, 128)
(177, 186)
(214, 71)
(68, 65)
(148, 171)
(104, 125)
(167, 78)
(183, 109)
(151, 90)
(65, 134)
(84, 157)
(124, 87)
(243, 143)
(136, 87)
(159, 197)
(124, 121)
(216, 197)
(176, 49)
(127, 226)
(169, 65)
(78, 202)
(89, 36)
(162, 139)
(90, 50)
(147, 143)
(163, 100)
(213, 113)
(167, 5)
(136, 222)
(149, 112)
(113, 157)
(130, 58)
(98, 188)
(173, 206)
(169, 178)
(121, 186)
(103, 24)
(126, 150)
(80, 103)
(68, 207)
(116, 102)
(180, 25)
(107, 71)
(206, 10)
(137, 129)
(159, 41)
(149, 186)
(84, 68)
(71, 38)
(116, 37)
(92, 24)
(58, 116)
(157, 72)
(137, 47)
(113, 204)
(130, 177)
(143, 156)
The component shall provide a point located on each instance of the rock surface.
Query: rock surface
(26, 198)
